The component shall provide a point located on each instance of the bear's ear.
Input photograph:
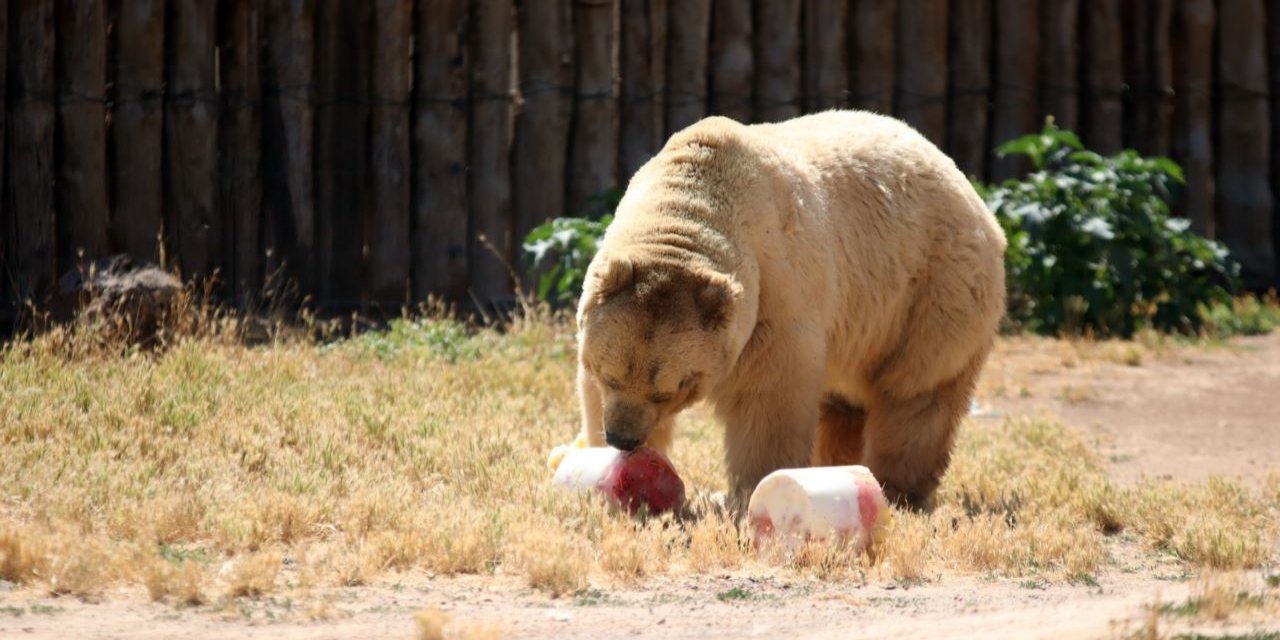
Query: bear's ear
(617, 274)
(715, 299)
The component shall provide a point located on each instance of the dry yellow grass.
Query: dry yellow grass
(423, 448)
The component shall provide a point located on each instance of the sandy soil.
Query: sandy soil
(1185, 413)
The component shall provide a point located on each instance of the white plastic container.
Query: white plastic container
(584, 468)
(791, 506)
(635, 479)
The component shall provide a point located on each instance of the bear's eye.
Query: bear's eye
(660, 398)
(613, 383)
(689, 380)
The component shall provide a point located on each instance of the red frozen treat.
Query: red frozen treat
(633, 479)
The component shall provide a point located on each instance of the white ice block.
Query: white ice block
(585, 468)
(790, 506)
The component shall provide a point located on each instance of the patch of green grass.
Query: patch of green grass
(1245, 316)
(46, 610)
(592, 598)
(1273, 581)
(446, 339)
(1033, 584)
(1086, 579)
(13, 611)
(178, 554)
(736, 593)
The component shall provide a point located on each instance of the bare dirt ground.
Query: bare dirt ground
(1187, 413)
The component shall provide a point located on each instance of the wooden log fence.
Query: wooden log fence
(373, 154)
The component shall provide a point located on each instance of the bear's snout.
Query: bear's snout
(625, 426)
(618, 441)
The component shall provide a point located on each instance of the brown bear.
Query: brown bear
(831, 283)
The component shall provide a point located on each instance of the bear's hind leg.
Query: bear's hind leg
(908, 442)
(840, 426)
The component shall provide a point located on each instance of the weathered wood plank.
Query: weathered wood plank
(1244, 140)
(1273, 66)
(82, 141)
(922, 76)
(689, 36)
(1016, 97)
(137, 129)
(874, 54)
(593, 152)
(389, 260)
(342, 121)
(1104, 76)
(191, 138)
(1060, 72)
(777, 49)
(7, 301)
(643, 53)
(541, 150)
(1193, 118)
(1160, 133)
(241, 152)
(732, 60)
(31, 146)
(826, 54)
(289, 241)
(489, 184)
(441, 89)
(1135, 25)
(970, 85)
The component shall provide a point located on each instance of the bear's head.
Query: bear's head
(654, 336)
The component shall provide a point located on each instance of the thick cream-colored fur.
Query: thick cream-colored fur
(831, 283)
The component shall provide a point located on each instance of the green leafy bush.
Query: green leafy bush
(1093, 247)
(556, 253)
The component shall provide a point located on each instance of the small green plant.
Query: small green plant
(1093, 247)
(556, 253)
(736, 593)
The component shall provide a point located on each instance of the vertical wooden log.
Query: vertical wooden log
(241, 153)
(289, 242)
(593, 156)
(542, 125)
(874, 55)
(777, 48)
(489, 184)
(7, 299)
(1273, 67)
(732, 62)
(689, 34)
(31, 146)
(441, 90)
(643, 53)
(826, 54)
(389, 256)
(1159, 134)
(1244, 140)
(922, 76)
(342, 121)
(1017, 100)
(1193, 117)
(970, 77)
(1104, 76)
(1060, 71)
(82, 157)
(191, 138)
(137, 128)
(1136, 28)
